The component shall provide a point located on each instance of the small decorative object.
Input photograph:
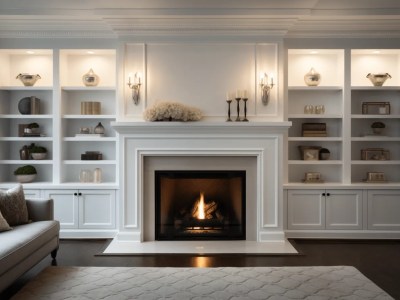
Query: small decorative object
(97, 174)
(92, 155)
(84, 130)
(320, 109)
(24, 153)
(172, 111)
(375, 154)
(324, 154)
(90, 78)
(312, 78)
(25, 174)
(375, 177)
(99, 129)
(85, 176)
(309, 152)
(308, 109)
(377, 127)
(314, 130)
(90, 108)
(229, 101)
(28, 79)
(29, 130)
(38, 152)
(378, 79)
(376, 108)
(312, 177)
(29, 106)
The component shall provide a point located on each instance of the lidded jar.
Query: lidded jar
(312, 78)
(90, 78)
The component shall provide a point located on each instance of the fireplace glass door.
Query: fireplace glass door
(200, 205)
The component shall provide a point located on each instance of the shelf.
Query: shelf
(375, 162)
(90, 139)
(315, 88)
(90, 162)
(315, 162)
(86, 88)
(375, 88)
(314, 116)
(26, 88)
(315, 139)
(112, 117)
(26, 139)
(27, 162)
(358, 116)
(3, 116)
(375, 139)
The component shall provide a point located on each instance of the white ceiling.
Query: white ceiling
(119, 18)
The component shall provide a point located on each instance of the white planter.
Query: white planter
(39, 155)
(26, 178)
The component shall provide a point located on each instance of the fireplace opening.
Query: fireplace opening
(200, 205)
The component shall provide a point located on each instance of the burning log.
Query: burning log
(209, 209)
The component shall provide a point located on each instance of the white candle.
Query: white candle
(228, 96)
(245, 94)
(237, 93)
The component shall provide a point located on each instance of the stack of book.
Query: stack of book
(314, 129)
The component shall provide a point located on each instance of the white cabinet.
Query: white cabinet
(383, 210)
(324, 209)
(31, 193)
(84, 209)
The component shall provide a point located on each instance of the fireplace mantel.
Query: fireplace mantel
(180, 144)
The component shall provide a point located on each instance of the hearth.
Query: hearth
(200, 205)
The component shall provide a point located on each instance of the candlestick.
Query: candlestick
(238, 107)
(245, 110)
(229, 111)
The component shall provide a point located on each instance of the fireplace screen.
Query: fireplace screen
(200, 205)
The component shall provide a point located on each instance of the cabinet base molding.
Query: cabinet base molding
(87, 234)
(341, 234)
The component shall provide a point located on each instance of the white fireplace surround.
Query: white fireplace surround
(260, 140)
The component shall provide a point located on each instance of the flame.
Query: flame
(200, 210)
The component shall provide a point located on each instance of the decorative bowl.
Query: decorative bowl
(378, 79)
(38, 156)
(25, 178)
(28, 79)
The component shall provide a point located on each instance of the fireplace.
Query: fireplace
(200, 205)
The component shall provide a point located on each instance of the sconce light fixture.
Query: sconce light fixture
(265, 88)
(135, 87)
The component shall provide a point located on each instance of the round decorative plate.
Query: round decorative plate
(24, 106)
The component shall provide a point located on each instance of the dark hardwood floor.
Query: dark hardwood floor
(377, 260)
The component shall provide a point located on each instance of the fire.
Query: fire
(200, 209)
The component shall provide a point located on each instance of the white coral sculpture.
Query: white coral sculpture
(172, 111)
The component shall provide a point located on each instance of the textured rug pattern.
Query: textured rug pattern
(117, 283)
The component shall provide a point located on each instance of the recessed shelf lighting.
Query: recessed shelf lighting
(90, 52)
(30, 52)
(314, 52)
(376, 52)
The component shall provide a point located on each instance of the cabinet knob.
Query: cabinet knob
(323, 194)
(328, 194)
(79, 194)
(75, 194)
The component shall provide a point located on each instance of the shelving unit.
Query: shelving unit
(330, 63)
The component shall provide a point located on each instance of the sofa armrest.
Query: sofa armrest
(40, 209)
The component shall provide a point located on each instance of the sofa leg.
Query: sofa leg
(54, 253)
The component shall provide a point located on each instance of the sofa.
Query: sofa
(23, 246)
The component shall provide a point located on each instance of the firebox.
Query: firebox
(200, 205)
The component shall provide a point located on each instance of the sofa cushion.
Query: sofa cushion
(3, 224)
(13, 206)
(23, 240)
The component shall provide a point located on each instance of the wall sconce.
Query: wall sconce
(135, 87)
(265, 88)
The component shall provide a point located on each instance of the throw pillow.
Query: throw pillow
(3, 224)
(13, 206)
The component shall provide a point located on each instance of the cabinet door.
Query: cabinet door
(29, 194)
(384, 210)
(97, 209)
(65, 207)
(306, 209)
(343, 209)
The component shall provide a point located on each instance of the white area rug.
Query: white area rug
(199, 247)
(338, 282)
